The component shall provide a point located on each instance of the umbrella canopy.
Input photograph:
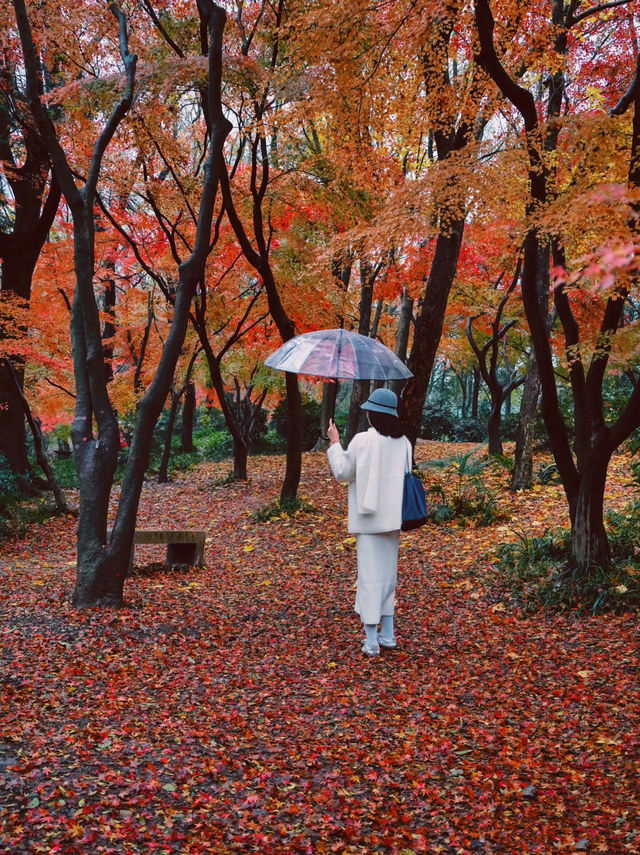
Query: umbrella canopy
(340, 354)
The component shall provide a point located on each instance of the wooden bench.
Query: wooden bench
(184, 546)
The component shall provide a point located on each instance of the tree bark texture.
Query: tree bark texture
(34, 212)
(327, 411)
(429, 325)
(522, 478)
(452, 131)
(163, 471)
(188, 413)
(240, 440)
(589, 542)
(240, 454)
(403, 333)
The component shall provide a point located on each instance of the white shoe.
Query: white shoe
(389, 643)
(370, 649)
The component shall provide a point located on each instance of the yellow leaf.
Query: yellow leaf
(249, 547)
(584, 674)
(499, 607)
(38, 582)
(621, 589)
(349, 540)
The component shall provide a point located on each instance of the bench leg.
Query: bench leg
(181, 553)
(200, 553)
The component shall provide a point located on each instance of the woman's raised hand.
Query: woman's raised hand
(332, 432)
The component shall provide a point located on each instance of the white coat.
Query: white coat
(373, 465)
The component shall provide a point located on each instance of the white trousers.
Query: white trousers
(377, 575)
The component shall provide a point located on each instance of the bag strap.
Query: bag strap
(409, 457)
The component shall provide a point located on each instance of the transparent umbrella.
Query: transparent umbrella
(338, 354)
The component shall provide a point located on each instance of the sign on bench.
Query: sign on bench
(185, 546)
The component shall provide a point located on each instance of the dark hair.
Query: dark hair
(386, 424)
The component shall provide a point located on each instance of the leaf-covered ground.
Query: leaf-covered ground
(230, 710)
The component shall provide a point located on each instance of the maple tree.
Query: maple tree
(100, 578)
(584, 477)
(488, 354)
(256, 140)
(456, 121)
(28, 204)
(485, 304)
(222, 313)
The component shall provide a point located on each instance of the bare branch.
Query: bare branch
(594, 10)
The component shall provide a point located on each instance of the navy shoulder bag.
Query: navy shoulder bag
(414, 502)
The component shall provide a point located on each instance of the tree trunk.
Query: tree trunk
(462, 379)
(291, 481)
(240, 441)
(402, 337)
(589, 543)
(188, 412)
(18, 271)
(357, 418)
(493, 428)
(163, 472)
(36, 195)
(102, 567)
(475, 393)
(99, 579)
(109, 329)
(12, 425)
(327, 411)
(523, 465)
(240, 455)
(429, 325)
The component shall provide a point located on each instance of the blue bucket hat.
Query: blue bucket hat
(382, 401)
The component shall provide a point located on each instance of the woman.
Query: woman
(374, 465)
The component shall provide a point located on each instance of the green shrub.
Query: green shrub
(310, 421)
(548, 474)
(437, 423)
(509, 426)
(462, 493)
(271, 443)
(213, 445)
(17, 511)
(539, 573)
(65, 472)
(8, 482)
(210, 419)
(469, 430)
(503, 461)
(624, 532)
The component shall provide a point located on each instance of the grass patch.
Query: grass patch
(282, 509)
